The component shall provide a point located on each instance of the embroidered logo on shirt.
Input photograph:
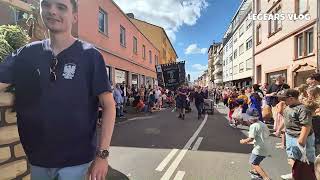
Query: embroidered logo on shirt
(69, 71)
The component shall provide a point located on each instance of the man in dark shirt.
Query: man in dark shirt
(272, 98)
(198, 101)
(58, 85)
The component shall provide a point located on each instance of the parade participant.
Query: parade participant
(58, 82)
(258, 133)
(199, 100)
(181, 101)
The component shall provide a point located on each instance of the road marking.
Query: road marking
(179, 175)
(166, 160)
(197, 144)
(183, 152)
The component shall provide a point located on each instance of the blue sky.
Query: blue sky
(192, 25)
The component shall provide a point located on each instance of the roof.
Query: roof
(161, 29)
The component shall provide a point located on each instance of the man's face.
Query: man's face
(311, 82)
(58, 15)
(290, 101)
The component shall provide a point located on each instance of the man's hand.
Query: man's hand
(3, 86)
(98, 169)
(243, 141)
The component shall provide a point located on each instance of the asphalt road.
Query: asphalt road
(163, 147)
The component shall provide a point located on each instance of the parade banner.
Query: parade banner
(171, 75)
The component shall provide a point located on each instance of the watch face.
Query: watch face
(103, 154)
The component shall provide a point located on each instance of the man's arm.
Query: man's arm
(108, 119)
(246, 141)
(305, 130)
(3, 86)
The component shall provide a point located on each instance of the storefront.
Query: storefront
(120, 76)
(242, 83)
(271, 77)
(135, 79)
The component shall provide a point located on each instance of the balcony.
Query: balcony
(218, 81)
(217, 70)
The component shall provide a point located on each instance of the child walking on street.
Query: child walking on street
(257, 134)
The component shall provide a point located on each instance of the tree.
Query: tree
(12, 37)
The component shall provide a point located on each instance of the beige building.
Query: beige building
(158, 36)
(285, 47)
(214, 65)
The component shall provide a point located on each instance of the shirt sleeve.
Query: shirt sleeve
(6, 69)
(305, 117)
(252, 131)
(100, 79)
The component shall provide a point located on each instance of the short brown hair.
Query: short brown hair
(315, 76)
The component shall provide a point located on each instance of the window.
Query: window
(235, 69)
(258, 6)
(235, 54)
(248, 23)
(241, 67)
(230, 59)
(300, 45)
(135, 45)
(103, 21)
(150, 57)
(143, 51)
(249, 44)
(122, 36)
(230, 71)
(258, 35)
(310, 42)
(235, 36)
(304, 44)
(164, 55)
(241, 31)
(275, 25)
(249, 64)
(301, 6)
(156, 59)
(241, 49)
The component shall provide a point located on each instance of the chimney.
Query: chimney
(130, 15)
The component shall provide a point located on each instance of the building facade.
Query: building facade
(214, 65)
(217, 63)
(287, 47)
(129, 56)
(237, 49)
(228, 57)
(158, 36)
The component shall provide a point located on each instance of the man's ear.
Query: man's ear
(75, 18)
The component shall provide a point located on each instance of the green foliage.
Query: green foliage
(5, 48)
(14, 35)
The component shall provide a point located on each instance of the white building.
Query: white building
(237, 50)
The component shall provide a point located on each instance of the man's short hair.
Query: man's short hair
(74, 4)
(315, 76)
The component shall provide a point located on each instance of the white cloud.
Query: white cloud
(199, 67)
(169, 14)
(194, 49)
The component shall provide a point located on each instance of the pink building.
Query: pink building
(128, 54)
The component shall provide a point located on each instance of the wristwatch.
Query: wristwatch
(102, 153)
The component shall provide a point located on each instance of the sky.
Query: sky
(192, 25)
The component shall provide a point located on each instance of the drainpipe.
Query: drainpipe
(253, 45)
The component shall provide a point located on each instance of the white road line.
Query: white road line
(197, 144)
(179, 175)
(166, 160)
(183, 152)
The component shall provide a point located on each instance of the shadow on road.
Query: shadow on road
(114, 174)
(166, 131)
